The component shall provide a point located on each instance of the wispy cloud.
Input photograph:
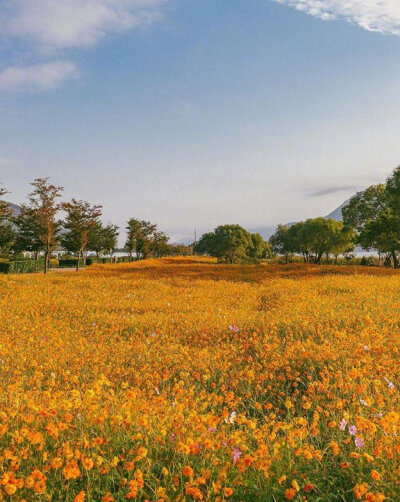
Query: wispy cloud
(54, 24)
(334, 189)
(40, 77)
(374, 15)
(46, 27)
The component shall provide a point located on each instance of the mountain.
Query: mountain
(336, 214)
(15, 208)
(266, 232)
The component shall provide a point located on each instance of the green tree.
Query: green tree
(365, 206)
(383, 234)
(259, 249)
(343, 240)
(81, 218)
(103, 239)
(7, 234)
(139, 237)
(160, 245)
(227, 243)
(27, 232)
(281, 242)
(110, 238)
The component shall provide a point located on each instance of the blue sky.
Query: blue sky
(198, 113)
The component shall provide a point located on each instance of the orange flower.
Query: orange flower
(290, 493)
(40, 486)
(187, 471)
(80, 497)
(228, 492)
(375, 475)
(10, 489)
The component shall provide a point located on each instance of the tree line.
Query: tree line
(38, 229)
(371, 219)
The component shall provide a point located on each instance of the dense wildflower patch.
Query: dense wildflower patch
(173, 380)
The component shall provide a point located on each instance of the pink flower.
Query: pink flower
(359, 442)
(343, 424)
(352, 430)
(236, 454)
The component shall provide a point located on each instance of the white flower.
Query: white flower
(390, 384)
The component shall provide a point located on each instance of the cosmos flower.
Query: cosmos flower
(352, 430)
(358, 442)
(236, 454)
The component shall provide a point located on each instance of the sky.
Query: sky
(193, 113)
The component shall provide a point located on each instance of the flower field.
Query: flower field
(182, 380)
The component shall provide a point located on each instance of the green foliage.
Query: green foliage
(103, 239)
(375, 214)
(313, 239)
(21, 267)
(81, 219)
(7, 234)
(365, 206)
(144, 240)
(232, 243)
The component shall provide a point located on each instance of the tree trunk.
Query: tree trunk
(77, 263)
(46, 261)
(395, 260)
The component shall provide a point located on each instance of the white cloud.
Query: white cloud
(53, 24)
(373, 15)
(39, 77)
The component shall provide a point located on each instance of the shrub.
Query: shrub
(67, 262)
(21, 267)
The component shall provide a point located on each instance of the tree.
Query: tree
(383, 234)
(103, 239)
(393, 191)
(375, 214)
(343, 240)
(81, 219)
(160, 245)
(365, 206)
(281, 242)
(313, 239)
(27, 233)
(37, 223)
(110, 238)
(7, 234)
(259, 249)
(139, 237)
(227, 243)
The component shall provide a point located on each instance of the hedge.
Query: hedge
(68, 262)
(22, 267)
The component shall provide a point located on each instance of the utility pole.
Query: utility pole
(195, 241)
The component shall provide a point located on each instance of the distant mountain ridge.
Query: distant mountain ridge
(336, 214)
(16, 209)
